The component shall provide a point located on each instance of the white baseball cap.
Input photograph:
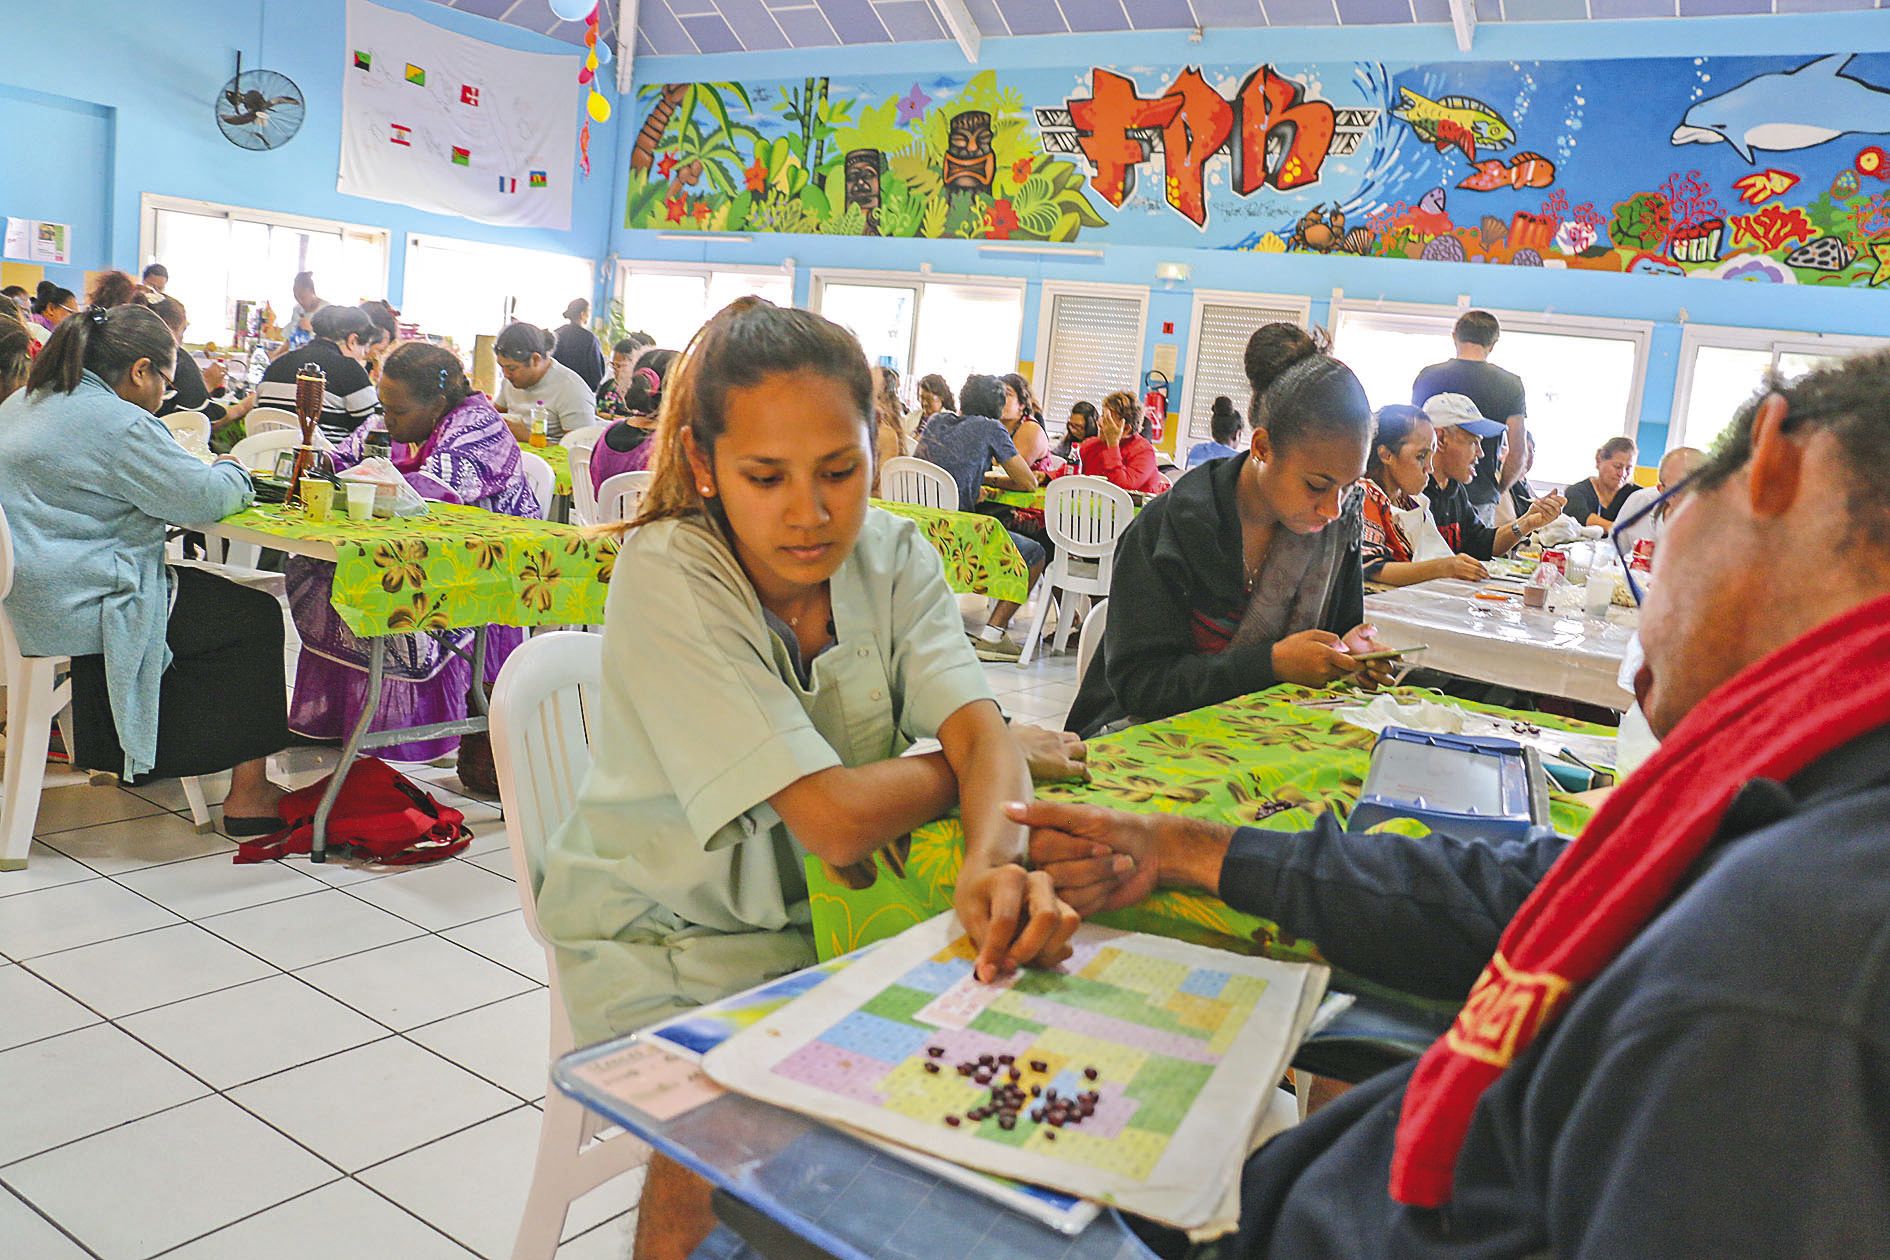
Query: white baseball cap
(1456, 411)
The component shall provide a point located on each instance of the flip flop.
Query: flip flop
(265, 825)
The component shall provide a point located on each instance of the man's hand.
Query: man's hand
(1312, 658)
(1540, 513)
(1463, 568)
(1015, 918)
(1100, 859)
(215, 377)
(1054, 756)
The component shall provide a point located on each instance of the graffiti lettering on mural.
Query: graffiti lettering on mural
(1566, 165)
(1792, 109)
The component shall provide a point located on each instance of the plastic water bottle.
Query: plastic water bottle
(540, 422)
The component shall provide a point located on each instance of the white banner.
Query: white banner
(454, 125)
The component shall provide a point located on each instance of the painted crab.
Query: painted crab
(1321, 231)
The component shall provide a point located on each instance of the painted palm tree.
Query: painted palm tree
(698, 148)
(668, 97)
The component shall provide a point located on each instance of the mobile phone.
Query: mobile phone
(1390, 654)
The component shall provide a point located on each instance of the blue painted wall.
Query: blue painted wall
(106, 100)
(1667, 303)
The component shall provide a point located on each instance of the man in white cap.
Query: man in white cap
(1461, 429)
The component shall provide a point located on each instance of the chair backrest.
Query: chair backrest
(190, 428)
(258, 450)
(621, 496)
(906, 479)
(586, 436)
(544, 481)
(540, 714)
(9, 644)
(1090, 640)
(1085, 515)
(583, 493)
(269, 419)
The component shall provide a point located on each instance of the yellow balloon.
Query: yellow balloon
(600, 108)
(590, 62)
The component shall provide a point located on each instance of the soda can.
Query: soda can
(1557, 557)
(1643, 559)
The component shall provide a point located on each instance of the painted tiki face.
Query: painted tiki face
(970, 159)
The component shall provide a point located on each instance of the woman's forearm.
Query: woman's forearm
(991, 773)
(845, 814)
(1402, 573)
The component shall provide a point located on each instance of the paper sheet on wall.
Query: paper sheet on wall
(1185, 1043)
(447, 123)
(38, 241)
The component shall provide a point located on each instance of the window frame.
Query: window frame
(1204, 298)
(150, 204)
(621, 272)
(821, 277)
(1775, 341)
(1040, 365)
(449, 244)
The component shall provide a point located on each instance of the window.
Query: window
(1721, 368)
(1089, 345)
(460, 289)
(1582, 376)
(921, 325)
(221, 255)
(1217, 361)
(670, 302)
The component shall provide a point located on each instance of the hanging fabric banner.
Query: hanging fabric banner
(443, 122)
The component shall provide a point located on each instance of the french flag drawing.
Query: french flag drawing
(507, 185)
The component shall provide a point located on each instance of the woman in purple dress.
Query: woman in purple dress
(626, 446)
(452, 447)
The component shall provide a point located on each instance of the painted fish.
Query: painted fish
(1459, 122)
(1525, 170)
(1432, 202)
(1792, 109)
(1765, 185)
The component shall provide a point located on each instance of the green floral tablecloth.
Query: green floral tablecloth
(1034, 498)
(979, 556)
(1265, 760)
(559, 457)
(454, 567)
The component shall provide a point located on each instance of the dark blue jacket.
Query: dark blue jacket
(1720, 1091)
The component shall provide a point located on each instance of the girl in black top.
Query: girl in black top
(1597, 500)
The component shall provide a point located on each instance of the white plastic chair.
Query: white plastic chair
(36, 697)
(544, 482)
(621, 496)
(1084, 516)
(541, 708)
(583, 493)
(269, 419)
(922, 483)
(585, 436)
(190, 428)
(1089, 640)
(258, 450)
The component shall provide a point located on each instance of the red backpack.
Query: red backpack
(381, 815)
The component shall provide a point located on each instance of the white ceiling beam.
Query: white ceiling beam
(964, 30)
(1463, 17)
(626, 34)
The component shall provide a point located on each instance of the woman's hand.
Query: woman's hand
(1015, 918)
(1358, 641)
(1463, 568)
(1054, 756)
(1312, 658)
(1111, 428)
(1099, 859)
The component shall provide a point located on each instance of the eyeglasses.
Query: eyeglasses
(1623, 528)
(166, 379)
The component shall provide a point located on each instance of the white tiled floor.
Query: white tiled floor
(209, 1061)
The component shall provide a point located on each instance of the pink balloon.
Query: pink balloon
(585, 76)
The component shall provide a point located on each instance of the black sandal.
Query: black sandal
(265, 825)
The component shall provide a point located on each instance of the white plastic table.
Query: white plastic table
(1556, 654)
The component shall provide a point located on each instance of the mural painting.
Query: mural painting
(1771, 170)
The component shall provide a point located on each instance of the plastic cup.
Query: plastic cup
(318, 497)
(361, 500)
(1598, 592)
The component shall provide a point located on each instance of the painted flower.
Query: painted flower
(1000, 221)
(419, 615)
(912, 106)
(536, 579)
(401, 564)
(1020, 169)
(701, 211)
(677, 207)
(667, 165)
(757, 177)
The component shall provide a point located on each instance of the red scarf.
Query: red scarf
(1771, 720)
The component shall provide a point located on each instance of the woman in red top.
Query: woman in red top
(1119, 452)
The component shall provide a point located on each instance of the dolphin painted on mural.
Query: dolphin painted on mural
(1795, 109)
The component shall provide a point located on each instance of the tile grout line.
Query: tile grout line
(35, 1209)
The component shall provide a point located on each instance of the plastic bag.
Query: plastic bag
(393, 496)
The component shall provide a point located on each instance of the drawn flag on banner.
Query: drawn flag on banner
(450, 97)
(538, 179)
(363, 61)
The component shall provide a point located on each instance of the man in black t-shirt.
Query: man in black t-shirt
(1497, 394)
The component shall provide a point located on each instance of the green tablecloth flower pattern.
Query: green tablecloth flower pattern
(454, 567)
(559, 457)
(1264, 760)
(979, 556)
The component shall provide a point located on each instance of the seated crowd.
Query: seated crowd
(773, 648)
